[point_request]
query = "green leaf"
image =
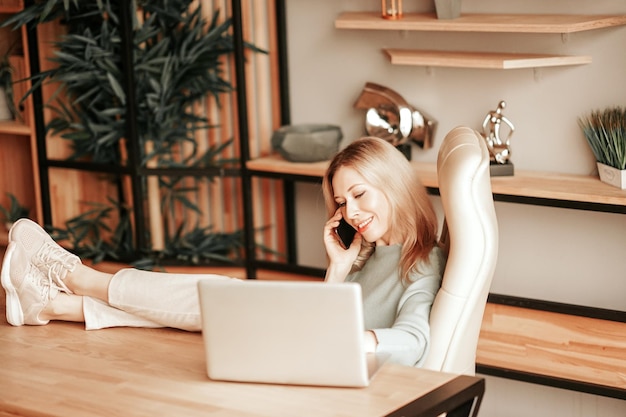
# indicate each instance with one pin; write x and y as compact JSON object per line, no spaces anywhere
{"x":117,"y":88}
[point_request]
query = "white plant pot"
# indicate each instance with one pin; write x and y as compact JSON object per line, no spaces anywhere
{"x":612,"y":176}
{"x":5,"y":113}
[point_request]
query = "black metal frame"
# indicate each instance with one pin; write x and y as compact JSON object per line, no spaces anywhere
{"x":568,"y":204}
{"x":551,"y":381}
{"x":242,"y":110}
{"x":251,"y":263}
{"x":37,"y":100}
{"x":556,"y":307}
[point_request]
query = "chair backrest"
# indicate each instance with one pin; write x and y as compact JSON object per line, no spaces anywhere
{"x":470,"y":234}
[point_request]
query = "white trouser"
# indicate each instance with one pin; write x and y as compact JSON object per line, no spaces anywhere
{"x":148,"y":299}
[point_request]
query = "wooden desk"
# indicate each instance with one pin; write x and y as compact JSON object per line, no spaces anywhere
{"x":63,"y":370}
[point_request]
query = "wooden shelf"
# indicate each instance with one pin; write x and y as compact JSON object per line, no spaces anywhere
{"x":485,"y":60}
{"x":277,"y":165}
{"x":565,"y":347}
{"x":13,"y":127}
{"x":541,"y":185}
{"x":501,"y":23}
{"x":9,"y":7}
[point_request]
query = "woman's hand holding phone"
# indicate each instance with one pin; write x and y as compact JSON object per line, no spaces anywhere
{"x":340,"y":258}
{"x":345,"y":232}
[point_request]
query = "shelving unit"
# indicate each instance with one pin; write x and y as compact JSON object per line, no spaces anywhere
{"x":481,"y":23}
{"x":554,"y":344}
{"x":58,"y":186}
{"x":537,"y":188}
{"x":17,"y":137}
{"x":11,"y":6}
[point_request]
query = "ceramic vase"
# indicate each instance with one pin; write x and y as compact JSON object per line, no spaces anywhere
{"x":307,"y":142}
{"x":448,"y":9}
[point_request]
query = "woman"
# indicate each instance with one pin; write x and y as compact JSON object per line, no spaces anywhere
{"x":394,"y":256}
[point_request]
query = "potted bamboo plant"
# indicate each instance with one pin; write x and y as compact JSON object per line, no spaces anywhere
{"x":177,"y":65}
{"x":605,"y":132}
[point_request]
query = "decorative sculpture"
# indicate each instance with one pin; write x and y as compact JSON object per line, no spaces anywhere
{"x":498,"y":141}
{"x":390,"y":117}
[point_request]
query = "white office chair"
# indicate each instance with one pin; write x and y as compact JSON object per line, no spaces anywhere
{"x":470,"y":233}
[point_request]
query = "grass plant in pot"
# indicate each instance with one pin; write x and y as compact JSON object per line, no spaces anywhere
{"x":605,"y":132}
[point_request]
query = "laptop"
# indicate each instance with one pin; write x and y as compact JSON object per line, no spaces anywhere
{"x":285,"y":332}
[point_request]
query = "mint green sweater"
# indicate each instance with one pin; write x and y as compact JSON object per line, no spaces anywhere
{"x":399,"y":313}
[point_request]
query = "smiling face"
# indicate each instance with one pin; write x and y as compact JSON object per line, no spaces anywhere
{"x":364,"y":206}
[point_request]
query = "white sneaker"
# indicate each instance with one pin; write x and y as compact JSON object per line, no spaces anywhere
{"x":28,"y":290}
{"x":43,"y":252}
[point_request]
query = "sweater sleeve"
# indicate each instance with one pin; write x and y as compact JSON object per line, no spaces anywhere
{"x":408,"y":339}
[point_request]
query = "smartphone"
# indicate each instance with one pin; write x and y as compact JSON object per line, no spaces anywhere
{"x":345,"y":232}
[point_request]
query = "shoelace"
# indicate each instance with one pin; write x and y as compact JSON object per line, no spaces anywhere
{"x":55,"y":262}
{"x":41,"y":281}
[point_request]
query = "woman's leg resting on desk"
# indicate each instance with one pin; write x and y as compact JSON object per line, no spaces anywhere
{"x":45,"y":282}
{"x":151,"y":299}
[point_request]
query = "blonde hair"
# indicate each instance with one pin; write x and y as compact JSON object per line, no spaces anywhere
{"x":413,"y":218}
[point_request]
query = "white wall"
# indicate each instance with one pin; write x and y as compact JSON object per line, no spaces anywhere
{"x":546,"y":253}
